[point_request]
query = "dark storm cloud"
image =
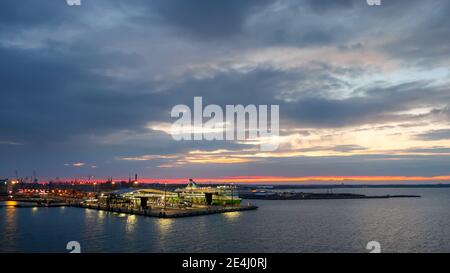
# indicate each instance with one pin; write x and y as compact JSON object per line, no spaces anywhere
{"x":435,"y":135}
{"x":309,"y":23}
{"x":314,"y":106}
{"x":428,"y":41}
{"x":358,"y":166}
{"x":326,"y":5}
{"x":337,"y":148}
{"x":55,"y":95}
{"x":433,"y":150}
{"x":371,"y":105}
{"x":207,"y":19}
{"x":33,"y":13}
{"x":348,"y":148}
{"x":51,"y":95}
{"x":63,"y":85}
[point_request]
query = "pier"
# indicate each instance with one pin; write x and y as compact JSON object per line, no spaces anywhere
{"x":191,"y":200}
{"x":159,"y":212}
{"x":170,"y":212}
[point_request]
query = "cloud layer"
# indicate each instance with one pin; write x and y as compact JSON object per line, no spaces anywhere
{"x":362,"y":90}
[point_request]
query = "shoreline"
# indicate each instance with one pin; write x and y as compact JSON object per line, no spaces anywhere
{"x":318,"y":196}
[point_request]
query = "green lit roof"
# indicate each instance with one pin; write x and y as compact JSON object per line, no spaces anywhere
{"x":192,"y":184}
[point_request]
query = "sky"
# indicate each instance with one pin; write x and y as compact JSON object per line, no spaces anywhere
{"x":363,"y":91}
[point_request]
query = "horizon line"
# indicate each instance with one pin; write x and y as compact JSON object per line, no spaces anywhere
{"x":264,"y":179}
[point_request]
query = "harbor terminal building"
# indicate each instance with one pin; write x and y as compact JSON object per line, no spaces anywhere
{"x":192,"y":194}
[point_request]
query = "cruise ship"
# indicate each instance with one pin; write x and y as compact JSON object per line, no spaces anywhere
{"x":191,"y":194}
{"x":221,"y":195}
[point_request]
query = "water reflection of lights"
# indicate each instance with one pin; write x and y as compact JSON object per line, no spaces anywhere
{"x":94,"y":220}
{"x":89,"y":212}
{"x":164,"y":225}
{"x":11,"y":203}
{"x":131,"y":223}
{"x":11,"y":224}
{"x":34,"y":210}
{"x":232,"y":215}
{"x":101,"y":214}
{"x":11,"y":215}
{"x":131,"y":219}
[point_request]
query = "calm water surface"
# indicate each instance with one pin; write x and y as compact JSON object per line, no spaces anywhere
{"x":400,"y":225}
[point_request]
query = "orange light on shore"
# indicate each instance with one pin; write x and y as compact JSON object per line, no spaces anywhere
{"x":293,"y":179}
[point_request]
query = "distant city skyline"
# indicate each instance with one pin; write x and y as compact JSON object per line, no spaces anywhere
{"x":363,"y":91}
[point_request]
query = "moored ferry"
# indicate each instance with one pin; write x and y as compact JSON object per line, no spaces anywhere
{"x":221,"y":195}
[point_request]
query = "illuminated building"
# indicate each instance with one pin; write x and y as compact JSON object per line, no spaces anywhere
{"x":182,"y":197}
{"x":221,"y":195}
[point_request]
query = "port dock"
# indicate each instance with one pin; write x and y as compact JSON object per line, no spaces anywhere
{"x":136,"y":199}
{"x":34,"y":205}
{"x":171,"y":212}
{"x":159,"y":212}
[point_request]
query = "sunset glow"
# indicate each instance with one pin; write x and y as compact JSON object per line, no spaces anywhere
{"x":309,"y":180}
